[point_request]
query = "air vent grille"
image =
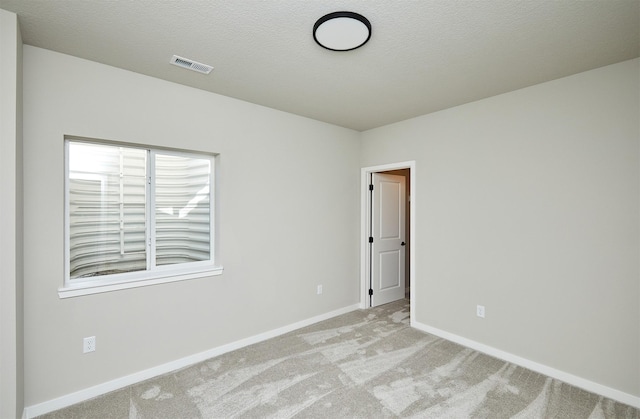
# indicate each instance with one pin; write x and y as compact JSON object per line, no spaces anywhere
{"x":190,"y":64}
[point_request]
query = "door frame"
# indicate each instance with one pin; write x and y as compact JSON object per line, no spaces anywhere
{"x":364,"y":226}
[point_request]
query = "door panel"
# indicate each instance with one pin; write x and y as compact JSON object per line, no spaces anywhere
{"x":389,"y":270}
{"x":390,"y":221}
{"x":388,"y":224}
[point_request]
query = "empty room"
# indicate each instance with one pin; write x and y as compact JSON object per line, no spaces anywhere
{"x":216,"y":209}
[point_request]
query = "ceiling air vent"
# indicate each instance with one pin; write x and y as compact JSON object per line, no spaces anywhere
{"x":191,"y":65}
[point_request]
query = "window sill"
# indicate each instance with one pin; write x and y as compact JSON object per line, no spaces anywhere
{"x":88,"y":288}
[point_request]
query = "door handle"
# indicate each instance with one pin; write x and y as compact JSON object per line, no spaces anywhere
{"x":402,"y":244}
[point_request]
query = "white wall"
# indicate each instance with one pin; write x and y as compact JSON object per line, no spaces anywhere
{"x":288,"y":222}
{"x":528,"y":203}
{"x":11,"y":273}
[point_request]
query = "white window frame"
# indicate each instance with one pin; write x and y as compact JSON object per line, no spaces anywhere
{"x":153,"y":274}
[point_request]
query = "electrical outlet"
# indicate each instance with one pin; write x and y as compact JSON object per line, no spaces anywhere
{"x":89,"y":344}
{"x":480,"y":311}
{"x":319,"y":289}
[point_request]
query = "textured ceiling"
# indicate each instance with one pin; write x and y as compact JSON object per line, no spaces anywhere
{"x":423,"y":56}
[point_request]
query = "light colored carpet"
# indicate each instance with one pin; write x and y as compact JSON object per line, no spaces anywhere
{"x":364,"y":364}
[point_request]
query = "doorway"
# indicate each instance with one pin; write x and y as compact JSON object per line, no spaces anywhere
{"x":369,"y":252}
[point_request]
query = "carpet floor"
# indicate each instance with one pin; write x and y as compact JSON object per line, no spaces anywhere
{"x":363,"y":364}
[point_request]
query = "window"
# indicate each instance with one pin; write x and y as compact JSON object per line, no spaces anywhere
{"x":136,"y":216}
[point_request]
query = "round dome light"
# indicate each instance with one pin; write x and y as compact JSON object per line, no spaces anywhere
{"x":342,"y":31}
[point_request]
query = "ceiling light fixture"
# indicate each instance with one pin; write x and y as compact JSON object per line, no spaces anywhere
{"x":342,"y":31}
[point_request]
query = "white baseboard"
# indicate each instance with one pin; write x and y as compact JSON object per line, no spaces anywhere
{"x":100,"y":389}
{"x":574,"y":380}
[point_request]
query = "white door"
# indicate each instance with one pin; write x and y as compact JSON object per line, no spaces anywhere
{"x":388,"y":231}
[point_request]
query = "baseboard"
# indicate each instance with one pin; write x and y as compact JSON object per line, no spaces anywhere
{"x":100,"y":389}
{"x":574,"y":380}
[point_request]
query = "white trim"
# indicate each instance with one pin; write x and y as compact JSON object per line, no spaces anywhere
{"x":364,"y":215}
{"x":150,"y":209}
{"x":67,"y":233}
{"x":566,"y":377}
{"x":88,"y":288}
{"x":100,"y":389}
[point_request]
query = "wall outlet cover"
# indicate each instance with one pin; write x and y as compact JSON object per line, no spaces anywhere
{"x":89,"y":344}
